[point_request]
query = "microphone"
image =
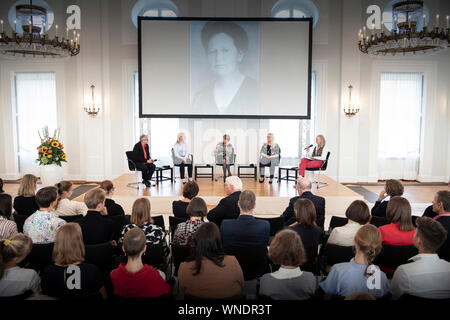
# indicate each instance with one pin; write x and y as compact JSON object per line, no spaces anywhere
{"x":309,"y":146}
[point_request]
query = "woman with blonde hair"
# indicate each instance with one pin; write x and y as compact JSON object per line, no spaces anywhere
{"x":65,"y":206}
{"x":314,"y":158}
{"x":141,"y":218}
{"x":181,"y":156}
{"x":357,"y":275}
{"x":269,"y":157}
{"x":14,"y":280}
{"x":68,"y":255}
{"x":25,"y":202}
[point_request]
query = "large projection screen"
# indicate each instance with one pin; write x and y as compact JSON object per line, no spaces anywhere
{"x":225,"y":68}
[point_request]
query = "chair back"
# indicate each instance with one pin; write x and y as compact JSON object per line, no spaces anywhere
{"x":173,"y":223}
{"x":378,"y":221}
{"x":41,"y":255}
{"x":253,"y":260}
{"x":325,"y":163}
{"x":19,"y":297}
{"x":131,"y":163}
{"x":154,"y":256}
{"x":179,"y":255}
{"x":71,"y":218}
{"x":101,"y":255}
{"x":276,"y":224}
{"x":19,"y":219}
{"x":334,"y":254}
{"x":159,"y":221}
{"x":393,"y":256}
{"x":337,"y":222}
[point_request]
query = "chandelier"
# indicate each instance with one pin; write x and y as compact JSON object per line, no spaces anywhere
{"x":405,"y":38}
{"x":35,"y":42}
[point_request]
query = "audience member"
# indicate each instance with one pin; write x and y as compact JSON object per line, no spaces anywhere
{"x":289,"y":282}
{"x":209,"y":273}
{"x":112,"y":207}
{"x":8,"y":228}
{"x":184,"y":234}
{"x":358,"y":214}
{"x":392,"y":188}
{"x":303,"y":186}
{"x":190,"y":190}
{"x":134,"y":279}
{"x":349,"y":277}
{"x":65,"y":206}
{"x":429,"y":212}
{"x":400,"y":232}
{"x":228,"y":206}
{"x":306,"y":226}
{"x":141,"y":218}
{"x":42,"y":225}
{"x":25,"y":202}
{"x":427,"y":276}
{"x":68,"y":255}
{"x":95,"y":225}
{"x":441,"y":205}
{"x":14,"y":280}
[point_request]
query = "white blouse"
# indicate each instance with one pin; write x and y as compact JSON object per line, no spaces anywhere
{"x":68,"y":207}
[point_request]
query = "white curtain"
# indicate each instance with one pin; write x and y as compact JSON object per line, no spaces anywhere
{"x":400,"y":125}
{"x":36,"y":108}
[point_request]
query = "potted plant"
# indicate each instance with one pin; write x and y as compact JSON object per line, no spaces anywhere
{"x":51,"y":155}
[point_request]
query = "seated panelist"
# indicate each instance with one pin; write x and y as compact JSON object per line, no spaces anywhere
{"x":269,"y":157}
{"x":224,"y":154}
{"x":181,"y":157}
{"x":143,"y":160}
{"x":314,"y":157}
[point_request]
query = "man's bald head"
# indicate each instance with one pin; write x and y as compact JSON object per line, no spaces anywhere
{"x":303,"y":184}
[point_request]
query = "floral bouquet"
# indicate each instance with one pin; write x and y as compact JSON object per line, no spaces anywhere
{"x":50,"y":151}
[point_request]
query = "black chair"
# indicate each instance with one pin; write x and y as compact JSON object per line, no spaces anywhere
{"x":253,"y":260}
{"x":19,"y":219}
{"x":101,"y":255}
{"x":159,"y":221}
{"x":173,"y":223}
{"x":132,"y":167}
{"x":72,"y":218}
{"x":126,"y":219}
{"x":41,"y":255}
{"x":323,"y":167}
{"x":230,"y":164}
{"x":276,"y":224}
{"x":179,"y":255}
{"x":336,"y":222}
{"x":391,"y":256}
{"x":333,"y":254}
{"x":190,"y":156}
{"x":378,"y":221}
{"x":414,"y":218}
{"x":154,"y":256}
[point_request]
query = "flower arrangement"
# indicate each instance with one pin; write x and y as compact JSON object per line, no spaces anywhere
{"x":50,"y":151}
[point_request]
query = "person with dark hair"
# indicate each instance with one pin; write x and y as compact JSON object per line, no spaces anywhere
{"x":400,"y":232}
{"x":392,"y":188}
{"x":289,"y":282}
{"x":441,"y":205}
{"x":14,"y":280}
{"x":65,"y":206}
{"x":358,"y":214}
{"x":112,"y":207}
{"x":426,"y":276}
{"x":190,"y":190}
{"x":184,"y":234}
{"x":25,"y":201}
{"x":232,"y":92}
{"x":1,"y":186}
{"x":209,"y":273}
{"x":135,"y":279}
{"x":429,"y":212}
{"x":42,"y":225}
{"x":8,"y":228}
{"x":349,"y":277}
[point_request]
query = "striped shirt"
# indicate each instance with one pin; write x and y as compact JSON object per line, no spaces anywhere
{"x":8,"y":228}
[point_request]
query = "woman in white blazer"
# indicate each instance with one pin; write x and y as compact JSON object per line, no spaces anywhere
{"x":315,"y":156}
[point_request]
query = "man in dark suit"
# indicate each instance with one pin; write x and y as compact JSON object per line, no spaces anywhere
{"x":303,"y":187}
{"x":144,"y":162}
{"x":228,"y":206}
{"x":96,"y":228}
{"x":441,"y":205}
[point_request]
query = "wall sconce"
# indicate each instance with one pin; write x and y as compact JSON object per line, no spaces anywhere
{"x":92,"y":109}
{"x":350,"y":109}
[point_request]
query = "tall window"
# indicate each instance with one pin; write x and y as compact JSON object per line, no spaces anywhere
{"x":35,"y":107}
{"x":153,"y":8}
{"x":295,"y":9}
{"x":401,"y":96}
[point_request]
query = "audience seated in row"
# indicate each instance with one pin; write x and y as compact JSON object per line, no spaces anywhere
{"x":196,"y":210}
{"x":441,"y":205}
{"x":42,"y":225}
{"x":8,"y":228}
{"x":65,"y":206}
{"x":429,"y":211}
{"x":227,"y":207}
{"x":400,"y":231}
{"x":358,"y":214}
{"x":179,"y":207}
{"x":426,"y":276}
{"x":112,"y":207}
{"x":303,"y":186}
{"x":135,"y":279}
{"x":15,"y":281}
{"x":25,"y":201}
{"x":391,"y":189}
{"x":209,"y":273}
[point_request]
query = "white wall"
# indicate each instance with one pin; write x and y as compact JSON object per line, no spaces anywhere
{"x":108,"y":57}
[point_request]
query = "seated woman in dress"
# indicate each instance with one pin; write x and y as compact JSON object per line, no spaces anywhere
{"x":65,"y":206}
{"x":224,"y":154}
{"x":184,"y":234}
{"x":270,"y":157}
{"x":25,"y":202}
{"x":190,"y":190}
{"x":358,"y":214}
{"x":209,"y":273}
{"x":349,"y":277}
{"x":392,"y":188}
{"x":314,"y":157}
{"x":14,"y":280}
{"x":289,"y":282}
{"x":181,"y":157}
{"x":113,"y":208}
{"x":8,"y":228}
{"x":68,"y":256}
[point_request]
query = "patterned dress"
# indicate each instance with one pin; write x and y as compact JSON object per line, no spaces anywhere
{"x":41,"y":226}
{"x":184,"y":234}
{"x":153,"y":234}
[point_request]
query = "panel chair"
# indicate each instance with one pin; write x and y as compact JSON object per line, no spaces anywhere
{"x":218,"y":163}
{"x":133,"y":168}
{"x":189,"y":156}
{"x":322,"y":168}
